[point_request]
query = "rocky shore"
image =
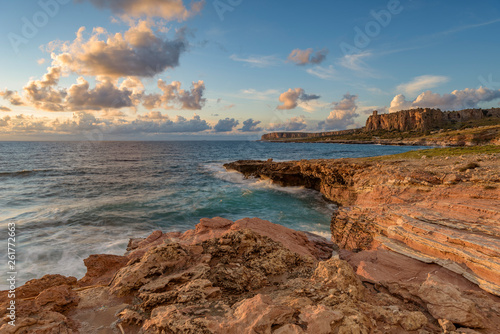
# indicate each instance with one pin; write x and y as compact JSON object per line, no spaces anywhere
{"x":415,"y":249}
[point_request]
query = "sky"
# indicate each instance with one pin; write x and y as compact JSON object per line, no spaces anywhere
{"x":235,"y":69}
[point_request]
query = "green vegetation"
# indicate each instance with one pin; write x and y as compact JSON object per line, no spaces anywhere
{"x":442,"y":152}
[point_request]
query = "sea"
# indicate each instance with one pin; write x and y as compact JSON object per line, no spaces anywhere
{"x":69,"y":200}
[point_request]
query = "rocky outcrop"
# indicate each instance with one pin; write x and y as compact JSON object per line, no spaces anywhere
{"x":252,"y":276}
{"x":427,"y":119}
{"x":421,"y":208}
{"x":408,"y":127}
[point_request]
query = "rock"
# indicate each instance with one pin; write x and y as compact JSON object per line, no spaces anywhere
{"x":446,"y":325}
{"x":101,"y":269}
{"x":58,"y":299}
{"x":339,"y":274}
{"x":34,"y":287}
{"x":446,"y":302}
{"x":413,"y":321}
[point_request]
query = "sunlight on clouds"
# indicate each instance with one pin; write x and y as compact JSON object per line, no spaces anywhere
{"x":421,"y":83}
{"x":166,"y":9}
{"x":458,"y":99}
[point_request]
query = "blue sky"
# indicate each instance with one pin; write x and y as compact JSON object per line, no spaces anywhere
{"x":225,"y":62}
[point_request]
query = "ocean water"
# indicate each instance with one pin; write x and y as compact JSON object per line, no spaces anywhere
{"x":73,"y":199}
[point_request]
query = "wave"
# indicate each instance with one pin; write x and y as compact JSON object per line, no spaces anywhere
{"x":24,"y":172}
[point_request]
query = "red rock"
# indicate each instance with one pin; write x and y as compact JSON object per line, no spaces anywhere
{"x":101,"y":269}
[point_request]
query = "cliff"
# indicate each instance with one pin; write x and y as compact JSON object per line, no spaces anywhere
{"x":427,"y":119}
{"x":441,"y":210}
{"x":411,"y":127}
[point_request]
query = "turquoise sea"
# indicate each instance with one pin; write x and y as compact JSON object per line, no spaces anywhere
{"x":73,"y":199}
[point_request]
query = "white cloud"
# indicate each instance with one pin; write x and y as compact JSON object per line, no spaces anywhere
{"x":166,"y":9}
{"x":81,"y":122}
{"x":307,"y":56}
{"x":342,"y":115}
{"x":355,"y":62}
{"x":293,"y":124}
{"x":322,"y":72}
{"x":458,"y":99}
{"x":137,"y":52}
{"x":421,"y":83}
{"x":292,"y":97}
{"x":257,"y":61}
{"x":254,"y":94}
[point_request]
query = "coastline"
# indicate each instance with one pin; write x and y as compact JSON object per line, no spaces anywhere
{"x":415,"y":250}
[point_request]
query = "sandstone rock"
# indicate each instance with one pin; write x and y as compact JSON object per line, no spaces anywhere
{"x":446,"y":325}
{"x":101,"y":269}
{"x":58,"y":299}
{"x":446,"y":302}
{"x":339,"y":274}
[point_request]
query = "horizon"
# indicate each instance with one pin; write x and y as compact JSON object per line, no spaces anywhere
{"x":219,"y":70}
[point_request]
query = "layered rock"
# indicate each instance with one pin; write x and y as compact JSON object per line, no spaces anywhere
{"x":250,"y":276}
{"x":419,"y":208}
{"x":412,"y":126}
{"x":425,"y":119}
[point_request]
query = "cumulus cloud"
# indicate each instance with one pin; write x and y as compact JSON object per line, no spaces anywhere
{"x":342,"y":115}
{"x":82,"y":122}
{"x":292,"y":97}
{"x":3,"y":108}
{"x":174,"y":95}
{"x":422,"y":82}
{"x":293,"y":124}
{"x":226,"y":125}
{"x":458,"y":99}
{"x":166,"y":9}
{"x":13,"y":97}
{"x":257,"y":61}
{"x":44,"y":95}
{"x":307,"y":56}
{"x":250,"y":126}
{"x":137,"y":52}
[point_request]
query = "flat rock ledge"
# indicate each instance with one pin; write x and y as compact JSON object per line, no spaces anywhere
{"x":252,"y":276}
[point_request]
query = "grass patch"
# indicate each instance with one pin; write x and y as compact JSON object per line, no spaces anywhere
{"x":443,"y":152}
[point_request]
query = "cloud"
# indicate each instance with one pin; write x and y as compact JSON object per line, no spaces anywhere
{"x":355,"y":62}
{"x":166,"y":9}
{"x":41,"y":61}
{"x":173,"y":94}
{"x":458,"y":99}
{"x":254,"y":94}
{"x":257,"y":61}
{"x":250,"y":126}
{"x":322,"y":72}
{"x":342,"y":115}
{"x":3,"y":108}
{"x":421,"y":83}
{"x":13,"y":97}
{"x":307,"y":56}
{"x":226,"y":125}
{"x":293,"y":124}
{"x":82,"y":122}
{"x":292,"y":97}
{"x":137,"y":52}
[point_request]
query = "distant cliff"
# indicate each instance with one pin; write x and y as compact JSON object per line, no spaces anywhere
{"x":425,"y":119}
{"x":415,"y":121}
{"x":302,"y":135}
